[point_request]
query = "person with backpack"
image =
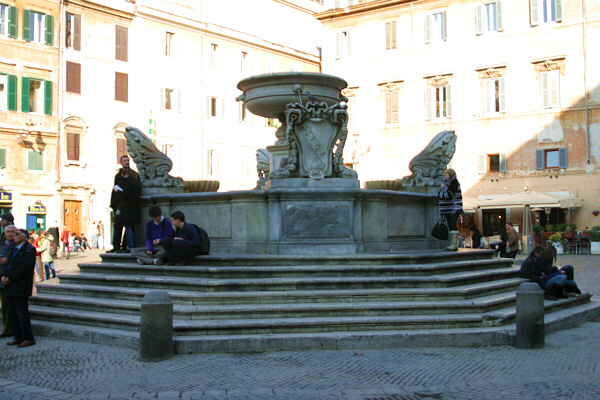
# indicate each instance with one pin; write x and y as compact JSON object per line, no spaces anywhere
{"x":157,"y":227}
{"x":185,"y":245}
{"x":45,"y":248}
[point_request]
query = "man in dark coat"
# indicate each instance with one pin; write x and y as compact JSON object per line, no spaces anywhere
{"x":5,"y":249}
{"x":5,"y":220}
{"x":125,"y":202}
{"x":17,"y":278}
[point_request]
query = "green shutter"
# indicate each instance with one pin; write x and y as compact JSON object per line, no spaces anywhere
{"x":13,"y":19}
{"x":48,"y":98}
{"x":35,"y":160}
{"x":25,"y":94}
{"x":2,"y":158}
{"x":49,"y":30}
{"x":12,"y":93}
{"x":26,"y":22}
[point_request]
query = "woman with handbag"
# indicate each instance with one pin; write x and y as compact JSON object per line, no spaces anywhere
{"x":450,"y":205}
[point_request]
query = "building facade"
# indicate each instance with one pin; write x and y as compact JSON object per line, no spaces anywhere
{"x":517,"y":81}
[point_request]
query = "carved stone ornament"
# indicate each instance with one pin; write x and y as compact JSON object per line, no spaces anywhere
{"x":153,"y":166}
{"x":263,"y":167}
{"x":312,"y":132}
{"x":428,"y":166}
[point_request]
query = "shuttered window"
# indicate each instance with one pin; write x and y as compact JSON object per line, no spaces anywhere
{"x":73,"y":32}
{"x":73,"y":146}
{"x":494,"y":95}
{"x":35,"y":160}
{"x":121,"y":149}
{"x":391,"y":108}
{"x":550,"y":88}
{"x":551,"y":158}
{"x":121,"y":87}
{"x":121,"y":40}
{"x":8,"y":21}
{"x":390,"y":35}
{"x":73,"y":77}
{"x":3,"y":153}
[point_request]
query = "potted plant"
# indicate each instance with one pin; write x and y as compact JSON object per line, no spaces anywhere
{"x":594,"y":235}
{"x":557,"y":241}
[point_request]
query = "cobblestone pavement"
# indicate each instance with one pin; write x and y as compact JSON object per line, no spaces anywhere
{"x":567,"y":368}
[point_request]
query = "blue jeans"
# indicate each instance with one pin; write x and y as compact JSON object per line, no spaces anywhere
{"x":129,"y":236}
{"x":560,"y":280}
{"x":49,"y":266}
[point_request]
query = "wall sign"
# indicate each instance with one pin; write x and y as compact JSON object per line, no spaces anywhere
{"x":37,"y":209}
{"x":5,"y":197}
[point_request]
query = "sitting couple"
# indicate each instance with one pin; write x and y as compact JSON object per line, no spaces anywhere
{"x":555,"y":281}
{"x":177,"y":246}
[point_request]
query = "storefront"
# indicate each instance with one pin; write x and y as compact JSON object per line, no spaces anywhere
{"x":5,"y":201}
{"x":36,"y":217}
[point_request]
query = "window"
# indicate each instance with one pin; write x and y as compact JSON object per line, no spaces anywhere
{"x":391,"y":108}
{"x":36,"y":96}
{"x":215,"y":106}
{"x":3,"y":156}
{"x":38,"y":27}
{"x":121,"y":86}
{"x":121,"y":149}
{"x":73,"y":146}
{"x":551,"y":158}
{"x":490,"y":163}
{"x":438,"y":101}
{"x":214,"y":55}
{"x":174,"y":153}
{"x":73,"y":77}
{"x":8,"y":21}
{"x":35,"y":160}
{"x":121,"y":43}
{"x":390,"y":35}
{"x":550,"y":88}
{"x":170,"y":99}
{"x":488,"y":17}
{"x":8,"y":92}
{"x":170,"y":47}
{"x":543,"y":11}
{"x":493,"y":95}
{"x":435,"y":27}
{"x":73,"y":32}
{"x":343,"y":43}
{"x":212,"y":162}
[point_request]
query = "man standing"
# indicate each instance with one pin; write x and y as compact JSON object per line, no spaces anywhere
{"x":125,"y":202}
{"x":17,"y":278}
{"x":512,"y":246}
{"x":158,"y":227}
{"x":5,"y":220}
{"x":5,"y":252}
{"x":186,"y":243}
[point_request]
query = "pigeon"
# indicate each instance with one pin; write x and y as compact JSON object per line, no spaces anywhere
{"x":311,"y":97}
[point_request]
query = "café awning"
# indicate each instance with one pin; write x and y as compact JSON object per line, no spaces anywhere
{"x":469,"y":204}
{"x":533,"y":199}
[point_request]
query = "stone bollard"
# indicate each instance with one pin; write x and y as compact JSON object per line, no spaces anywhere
{"x":530,"y":316}
{"x":156,"y":326}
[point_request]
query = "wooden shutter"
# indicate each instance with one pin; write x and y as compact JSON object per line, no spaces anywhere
{"x":489,"y":94}
{"x":534,"y":12}
{"x":553,"y":88}
{"x":428,"y":28}
{"x":448,"y":101}
{"x":444,"y":26}
{"x":539,"y":159}
{"x":13,"y":17}
{"x":48,"y":97}
{"x":502,"y":162}
{"x":562,"y":158}
{"x":121,"y":86}
{"x":121,"y":149}
{"x":26,"y":24}
{"x":482,"y":164}
{"x":544,"y":84}
{"x":388,"y":108}
{"x":25,"y":94}
{"x":35,"y":160}
{"x":76,"y":32}
{"x":73,"y":146}
{"x":394,"y":107}
{"x":429,"y":102}
{"x":558,"y":10}
{"x":502,"y":94}
{"x":12,"y":93}
{"x":121,"y":43}
{"x":49,"y":30}
{"x":499,"y":20}
{"x":2,"y":158}
{"x":479,"y":19}
{"x":390,"y":35}
{"x":73,"y":77}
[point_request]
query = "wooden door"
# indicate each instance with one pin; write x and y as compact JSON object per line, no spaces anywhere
{"x":72,"y":216}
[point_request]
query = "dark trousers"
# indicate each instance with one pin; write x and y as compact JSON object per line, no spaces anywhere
{"x":6,"y":329}
{"x":178,"y":250}
{"x":512,"y":254}
{"x":117,"y":233}
{"x":19,"y":317}
{"x":452,"y":220}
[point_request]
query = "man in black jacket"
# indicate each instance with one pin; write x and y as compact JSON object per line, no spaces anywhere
{"x":125,"y":202}
{"x":17,"y":278}
{"x":185,"y":245}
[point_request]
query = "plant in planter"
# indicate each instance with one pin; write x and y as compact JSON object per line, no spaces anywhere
{"x":557,"y":241}
{"x":594,"y":235}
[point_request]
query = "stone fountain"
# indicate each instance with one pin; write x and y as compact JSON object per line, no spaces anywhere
{"x":311,"y":203}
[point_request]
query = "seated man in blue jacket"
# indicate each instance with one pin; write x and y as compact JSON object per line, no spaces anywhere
{"x":185,"y":245}
{"x":158,"y":227}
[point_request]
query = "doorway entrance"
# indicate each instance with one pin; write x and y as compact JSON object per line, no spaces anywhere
{"x":72,"y":216}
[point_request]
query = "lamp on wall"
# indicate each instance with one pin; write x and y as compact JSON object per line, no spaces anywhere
{"x":21,"y":136}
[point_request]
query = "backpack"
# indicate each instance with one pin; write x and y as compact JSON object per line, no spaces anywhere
{"x":52,"y":249}
{"x":204,"y":241}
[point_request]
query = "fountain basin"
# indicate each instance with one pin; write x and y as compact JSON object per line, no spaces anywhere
{"x":267,"y":95}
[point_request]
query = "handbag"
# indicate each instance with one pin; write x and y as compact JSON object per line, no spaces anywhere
{"x":440,"y":230}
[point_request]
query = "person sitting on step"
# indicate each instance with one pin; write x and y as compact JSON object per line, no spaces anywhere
{"x":157,"y":228}
{"x":554,"y":281}
{"x":185,"y":244}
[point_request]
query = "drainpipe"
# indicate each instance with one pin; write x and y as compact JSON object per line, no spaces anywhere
{"x":585,"y":87}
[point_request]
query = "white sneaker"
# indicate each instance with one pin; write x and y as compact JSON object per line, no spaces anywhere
{"x":140,"y":261}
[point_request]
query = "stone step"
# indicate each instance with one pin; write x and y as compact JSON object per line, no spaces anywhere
{"x":305,"y":283}
{"x":469,"y":291}
{"x":405,"y":257}
{"x":260,"y":311}
{"x":294,"y":271}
